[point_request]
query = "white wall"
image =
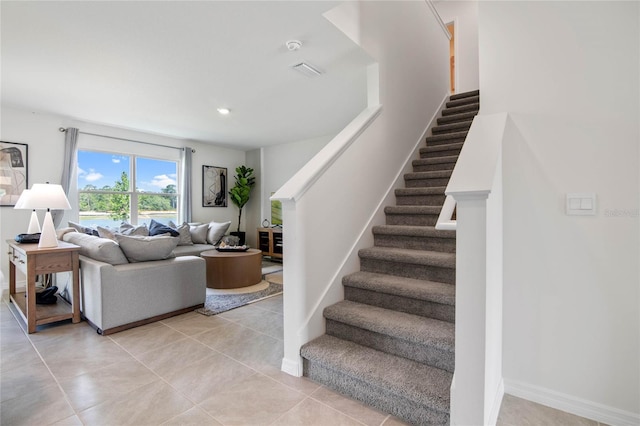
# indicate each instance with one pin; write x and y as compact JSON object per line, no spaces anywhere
{"x":327,"y":224}
{"x":567,"y":74}
{"x":280,"y":162}
{"x":46,"y":150}
{"x":464,"y":13}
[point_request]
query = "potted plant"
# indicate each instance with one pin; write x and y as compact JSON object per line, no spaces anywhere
{"x":240,"y":194}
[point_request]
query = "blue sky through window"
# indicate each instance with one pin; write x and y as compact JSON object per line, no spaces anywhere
{"x":104,"y":169}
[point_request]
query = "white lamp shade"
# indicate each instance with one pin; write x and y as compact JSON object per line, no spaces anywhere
{"x":23,"y":200}
{"x":47,"y":196}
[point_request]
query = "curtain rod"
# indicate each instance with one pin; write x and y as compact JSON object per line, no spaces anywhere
{"x":62,"y":129}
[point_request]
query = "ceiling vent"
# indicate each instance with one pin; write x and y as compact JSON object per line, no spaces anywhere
{"x":307,"y":69}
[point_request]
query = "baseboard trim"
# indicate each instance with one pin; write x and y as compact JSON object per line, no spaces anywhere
{"x":571,"y":404}
{"x":293,"y":368}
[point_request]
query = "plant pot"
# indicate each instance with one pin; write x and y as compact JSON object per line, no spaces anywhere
{"x":241,"y":235}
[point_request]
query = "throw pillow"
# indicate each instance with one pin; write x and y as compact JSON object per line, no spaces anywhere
{"x":129,"y":229}
{"x":199,"y":233}
{"x":216,"y":232}
{"x":107,"y":233}
{"x":185,"y":234}
{"x":141,"y":249}
{"x":102,"y":249}
{"x":83,"y":229}
{"x":157,"y":228}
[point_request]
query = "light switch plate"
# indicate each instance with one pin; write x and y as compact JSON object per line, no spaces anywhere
{"x":581,"y":203}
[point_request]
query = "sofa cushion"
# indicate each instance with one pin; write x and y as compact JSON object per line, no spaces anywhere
{"x":107,"y":233}
{"x":216,"y":232}
{"x":141,"y":249}
{"x":129,"y":229}
{"x":102,"y":249}
{"x":157,"y":228}
{"x":199,"y":232}
{"x":192,"y":250}
{"x":184,"y":239}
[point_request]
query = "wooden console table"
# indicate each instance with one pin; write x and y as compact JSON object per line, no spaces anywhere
{"x":32,"y":261}
{"x":270,"y":242}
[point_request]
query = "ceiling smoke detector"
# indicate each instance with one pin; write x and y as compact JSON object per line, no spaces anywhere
{"x":307,"y":69}
{"x":293,"y":45}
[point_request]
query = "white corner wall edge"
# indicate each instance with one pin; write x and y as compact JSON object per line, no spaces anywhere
{"x":571,"y":404}
{"x":497,"y":403}
{"x":292,"y":368}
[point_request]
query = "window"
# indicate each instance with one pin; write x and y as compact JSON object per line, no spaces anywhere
{"x":114,"y":187}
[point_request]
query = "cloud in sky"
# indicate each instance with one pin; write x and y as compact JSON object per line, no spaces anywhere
{"x":115,"y":160}
{"x":93,"y":176}
{"x":162,"y":181}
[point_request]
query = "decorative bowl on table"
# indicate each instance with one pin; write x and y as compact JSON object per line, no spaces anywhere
{"x":227,"y":248}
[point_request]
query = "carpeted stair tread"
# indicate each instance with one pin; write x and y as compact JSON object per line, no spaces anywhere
{"x":463,"y":101}
{"x":456,"y":118}
{"x":430,"y":291}
{"x":451,"y":159}
{"x":408,"y":192}
{"x":443,"y":147}
{"x":422,"y":384}
{"x":465,"y":95}
{"x":413,"y":210}
{"x":447,"y":136}
{"x":428,"y":175}
{"x":413,"y":231}
{"x":411,"y":328}
{"x":452,"y":128}
{"x":414,"y":257}
{"x":461,"y":109}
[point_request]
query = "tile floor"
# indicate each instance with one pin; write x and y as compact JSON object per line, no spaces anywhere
{"x":186,"y":370}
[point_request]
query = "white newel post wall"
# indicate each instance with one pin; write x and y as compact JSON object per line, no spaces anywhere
{"x":476,"y":186}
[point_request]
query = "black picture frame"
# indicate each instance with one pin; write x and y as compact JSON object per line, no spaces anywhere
{"x":14,"y":171}
{"x":214,"y":186}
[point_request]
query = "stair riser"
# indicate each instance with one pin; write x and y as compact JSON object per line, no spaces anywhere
{"x":408,"y":270}
{"x":403,"y":408}
{"x":423,"y":354}
{"x":444,"y":245}
{"x":463,"y":101}
{"x":465,"y":95}
{"x":417,"y":167}
{"x":457,"y":127}
{"x":456,"y":118}
{"x":440,"y":142}
{"x":412,"y":220}
{"x":460,"y":110}
{"x":420,"y":200}
{"x":426,"y":183}
{"x":407,"y":305}
{"x":426,"y":153}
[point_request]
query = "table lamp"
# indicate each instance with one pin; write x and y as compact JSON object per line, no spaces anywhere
{"x":48,"y":196}
{"x":24,"y":203}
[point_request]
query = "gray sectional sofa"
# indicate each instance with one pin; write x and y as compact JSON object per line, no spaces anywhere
{"x":136,"y":280}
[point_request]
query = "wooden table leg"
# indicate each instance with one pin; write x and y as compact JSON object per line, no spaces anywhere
{"x":75,"y":303}
{"x":31,"y":297}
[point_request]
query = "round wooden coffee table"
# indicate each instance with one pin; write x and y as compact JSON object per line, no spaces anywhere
{"x":233,"y":269}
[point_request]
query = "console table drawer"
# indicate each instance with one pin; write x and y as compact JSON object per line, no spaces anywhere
{"x":19,"y":259}
{"x":53,"y":262}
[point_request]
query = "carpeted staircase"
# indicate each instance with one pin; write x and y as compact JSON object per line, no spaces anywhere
{"x":390,"y":343}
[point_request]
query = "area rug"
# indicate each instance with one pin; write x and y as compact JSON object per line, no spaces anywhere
{"x":225,"y":301}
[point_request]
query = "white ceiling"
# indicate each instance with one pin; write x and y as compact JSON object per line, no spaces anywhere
{"x":165,"y":67}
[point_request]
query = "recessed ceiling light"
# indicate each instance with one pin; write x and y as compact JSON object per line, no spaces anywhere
{"x":294,"y":44}
{"x":224,"y":111}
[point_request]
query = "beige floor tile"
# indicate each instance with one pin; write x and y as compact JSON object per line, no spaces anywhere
{"x":301,"y":384}
{"x":260,"y":352}
{"x":19,"y":381}
{"x":79,"y":335}
{"x":17,"y":355}
{"x":394,"y":421}
{"x":352,"y":408}
{"x":239,"y":313}
{"x":12,"y":333}
{"x":202,"y":379}
{"x":175,"y":356}
{"x":227,"y":334}
{"x":39,"y":406}
{"x":257,"y":400}
{"x":273,"y":304}
{"x":195,"y":323}
{"x":193,"y":417}
{"x":148,"y":339}
{"x":520,"y":412}
{"x":313,"y":413}
{"x":266,"y":322}
{"x":73,"y":360}
{"x":151,"y":404}
{"x":105,"y":384}
{"x":69,"y":421}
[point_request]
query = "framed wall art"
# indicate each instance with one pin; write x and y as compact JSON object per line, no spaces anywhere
{"x":13,"y":172}
{"x":214,"y":186}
